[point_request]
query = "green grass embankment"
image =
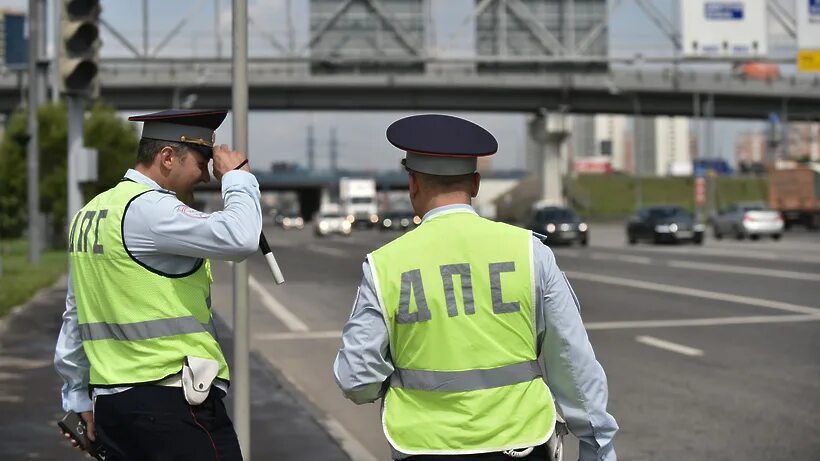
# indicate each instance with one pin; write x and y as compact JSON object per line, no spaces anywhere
{"x":21,"y":280}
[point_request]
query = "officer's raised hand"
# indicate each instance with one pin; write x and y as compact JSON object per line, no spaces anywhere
{"x":226,"y":160}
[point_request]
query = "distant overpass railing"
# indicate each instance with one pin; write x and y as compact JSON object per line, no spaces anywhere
{"x":581,"y":85}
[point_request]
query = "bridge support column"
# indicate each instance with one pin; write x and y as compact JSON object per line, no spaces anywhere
{"x":546,"y":135}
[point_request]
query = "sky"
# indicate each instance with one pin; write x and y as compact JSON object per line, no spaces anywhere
{"x":281,"y":135}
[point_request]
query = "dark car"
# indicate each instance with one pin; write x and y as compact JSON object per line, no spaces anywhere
{"x":664,"y":223}
{"x":399,"y":220}
{"x":560,"y":225}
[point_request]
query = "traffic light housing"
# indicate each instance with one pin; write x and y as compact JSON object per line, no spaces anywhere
{"x":80,"y":48}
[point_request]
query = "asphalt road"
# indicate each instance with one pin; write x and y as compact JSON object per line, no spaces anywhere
{"x":711,"y":351}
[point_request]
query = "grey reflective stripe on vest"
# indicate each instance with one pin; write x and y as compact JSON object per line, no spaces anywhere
{"x":144,"y":330}
{"x":468,"y":380}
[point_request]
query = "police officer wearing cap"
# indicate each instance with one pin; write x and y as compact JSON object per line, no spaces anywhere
{"x":465,"y":327}
{"x":138,"y":351}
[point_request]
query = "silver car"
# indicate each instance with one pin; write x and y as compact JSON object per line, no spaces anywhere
{"x":748,"y":219}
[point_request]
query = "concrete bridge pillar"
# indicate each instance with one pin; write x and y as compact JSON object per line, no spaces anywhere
{"x":547,"y":133}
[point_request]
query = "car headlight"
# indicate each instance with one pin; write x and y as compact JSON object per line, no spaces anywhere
{"x":416,"y":220}
{"x":346,"y":225}
{"x":300,"y":221}
{"x":286,"y":221}
{"x":663,"y":228}
{"x":387,"y":222}
{"x":565,"y":227}
{"x":323,"y":225}
{"x":351,"y":218}
{"x":405,"y":222}
{"x":374,"y":218}
{"x":583,"y":227}
{"x":673,"y":227}
{"x":550,"y":227}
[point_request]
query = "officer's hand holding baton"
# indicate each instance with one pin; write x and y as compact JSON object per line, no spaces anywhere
{"x":226,"y":160}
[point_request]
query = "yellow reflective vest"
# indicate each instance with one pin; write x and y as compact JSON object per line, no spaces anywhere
{"x":457,"y":296}
{"x":137,"y":324}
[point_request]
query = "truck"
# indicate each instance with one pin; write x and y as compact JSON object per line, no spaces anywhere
{"x":357,"y":197}
{"x":795,"y":193}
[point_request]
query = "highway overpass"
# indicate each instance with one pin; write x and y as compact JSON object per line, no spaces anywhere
{"x":277,"y":84}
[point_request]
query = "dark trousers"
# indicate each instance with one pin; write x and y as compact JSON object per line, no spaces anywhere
{"x":155,"y":423}
{"x":538,"y":454}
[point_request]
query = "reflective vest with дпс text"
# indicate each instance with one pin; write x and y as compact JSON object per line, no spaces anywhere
{"x":136,"y":323}
{"x":457,"y":296}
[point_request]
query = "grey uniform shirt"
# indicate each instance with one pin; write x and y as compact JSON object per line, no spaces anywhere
{"x":167,"y":235}
{"x":574,"y":376}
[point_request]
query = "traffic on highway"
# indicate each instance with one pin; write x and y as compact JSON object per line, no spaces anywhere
{"x":696,"y":340}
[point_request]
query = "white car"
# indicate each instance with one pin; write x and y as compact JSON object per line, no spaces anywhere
{"x":748,"y":219}
{"x":293,"y":222}
{"x":331,"y":223}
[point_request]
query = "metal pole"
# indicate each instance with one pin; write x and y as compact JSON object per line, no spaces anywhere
{"x":75,"y":106}
{"x":334,"y":152}
{"x":55,"y":62}
{"x":33,"y":150}
{"x":241,"y":325}
{"x":311,"y":154}
{"x":291,"y":37}
{"x":696,"y":115}
{"x":639,"y":141}
{"x":218,"y":28}
{"x":145,"y":29}
{"x":42,"y":60}
{"x":569,"y":38}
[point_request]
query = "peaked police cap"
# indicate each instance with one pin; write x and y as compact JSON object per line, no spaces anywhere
{"x":194,"y":127}
{"x":440,"y":144}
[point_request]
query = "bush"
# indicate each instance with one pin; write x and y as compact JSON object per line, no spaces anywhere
{"x":114,"y":138}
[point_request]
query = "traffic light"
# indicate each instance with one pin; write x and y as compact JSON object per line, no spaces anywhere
{"x":80,"y":45}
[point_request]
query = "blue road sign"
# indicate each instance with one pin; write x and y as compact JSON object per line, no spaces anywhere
{"x":16,"y":45}
{"x":814,"y":9}
{"x":723,"y":11}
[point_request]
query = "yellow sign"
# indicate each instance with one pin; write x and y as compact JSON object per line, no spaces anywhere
{"x":808,"y":61}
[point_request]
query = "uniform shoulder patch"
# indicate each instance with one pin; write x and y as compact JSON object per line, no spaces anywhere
{"x":188,"y":211}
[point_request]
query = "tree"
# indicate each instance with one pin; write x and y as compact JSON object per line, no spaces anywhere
{"x":114,"y":138}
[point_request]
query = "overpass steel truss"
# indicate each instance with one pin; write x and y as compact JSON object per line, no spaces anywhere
{"x":456,"y":85}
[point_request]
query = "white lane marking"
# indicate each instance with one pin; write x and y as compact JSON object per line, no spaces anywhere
{"x":276,"y":308}
{"x":745,"y":270}
{"x":617,"y":257}
{"x":728,"y":268}
{"x":701,"y":322}
{"x":349,"y":444}
{"x":669,"y":346}
{"x":711,"y":251}
{"x":330,"y":334}
{"x":663,"y":288}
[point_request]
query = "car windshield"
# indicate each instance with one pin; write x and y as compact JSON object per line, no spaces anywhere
{"x":555,"y":214}
{"x":754,"y":207}
{"x":667,"y":212}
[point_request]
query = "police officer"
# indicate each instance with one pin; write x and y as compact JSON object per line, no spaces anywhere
{"x":466,"y":327}
{"x":138,"y":344}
